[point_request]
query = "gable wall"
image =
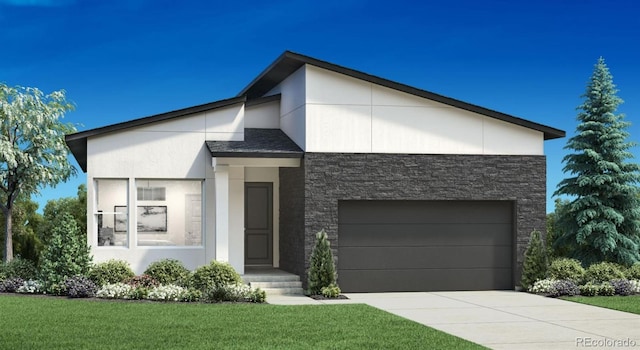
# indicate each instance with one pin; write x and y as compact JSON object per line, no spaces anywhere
{"x":263,"y":116}
{"x":292,"y":106}
{"x":348,"y":115}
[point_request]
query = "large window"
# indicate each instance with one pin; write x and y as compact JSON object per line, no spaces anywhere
{"x":169,"y":212}
{"x":111,"y":214}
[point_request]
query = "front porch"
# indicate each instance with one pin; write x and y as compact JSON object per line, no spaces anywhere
{"x":272,"y":280}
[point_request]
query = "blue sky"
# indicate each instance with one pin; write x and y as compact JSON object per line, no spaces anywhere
{"x":120,"y":60}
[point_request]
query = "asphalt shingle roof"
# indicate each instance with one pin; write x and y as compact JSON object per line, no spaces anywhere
{"x":258,"y":143}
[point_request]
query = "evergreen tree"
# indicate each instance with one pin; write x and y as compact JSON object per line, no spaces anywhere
{"x":602,"y":222}
{"x":535,"y":261}
{"x":322,"y":269}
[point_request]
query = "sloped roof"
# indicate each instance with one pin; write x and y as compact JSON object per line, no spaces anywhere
{"x":258,"y":143}
{"x":78,"y":142}
{"x":289,"y":62}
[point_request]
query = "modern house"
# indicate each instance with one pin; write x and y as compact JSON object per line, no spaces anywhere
{"x":417,"y":191}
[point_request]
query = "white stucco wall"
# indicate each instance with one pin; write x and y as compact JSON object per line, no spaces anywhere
{"x":172,"y":149}
{"x":345,"y":114}
{"x":263,"y":116}
{"x":292,"y":106}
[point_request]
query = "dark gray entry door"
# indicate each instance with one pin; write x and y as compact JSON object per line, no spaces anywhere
{"x":258,"y":223}
{"x":425,"y":245}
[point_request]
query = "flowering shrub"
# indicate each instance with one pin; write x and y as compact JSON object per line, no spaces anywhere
{"x":566,"y":269}
{"x":622,"y":287}
{"x":31,"y":287}
{"x":143,"y":281}
{"x":606,"y":289}
{"x":331,"y":291}
{"x":590,"y":289}
{"x":170,"y":292}
{"x":80,"y":287}
{"x":564,"y":287}
{"x":114,"y":291}
{"x":635,"y":286}
{"x":235,"y":293}
{"x":10,"y":285}
{"x":544,"y":286}
{"x":190,"y":295}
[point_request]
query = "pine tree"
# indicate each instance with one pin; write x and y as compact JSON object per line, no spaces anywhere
{"x":322,"y":269}
{"x":535,"y":261}
{"x":602,"y":222}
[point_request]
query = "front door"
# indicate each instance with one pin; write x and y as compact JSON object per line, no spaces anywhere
{"x":258,"y":223}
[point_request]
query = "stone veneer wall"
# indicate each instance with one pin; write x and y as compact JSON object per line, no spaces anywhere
{"x":330,"y":177}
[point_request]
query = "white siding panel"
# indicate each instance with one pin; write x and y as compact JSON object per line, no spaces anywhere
{"x":225,"y":120}
{"x":506,"y":138}
{"x":384,"y":96}
{"x":293,"y":124}
{"x":263,"y":116}
{"x":326,"y":87}
{"x":425,"y":130}
{"x":338,"y":128}
{"x":292,"y":90}
{"x":192,"y":123}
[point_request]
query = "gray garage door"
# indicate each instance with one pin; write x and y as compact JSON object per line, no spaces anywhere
{"x":425,"y":245}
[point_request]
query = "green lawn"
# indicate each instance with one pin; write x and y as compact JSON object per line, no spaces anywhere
{"x":56,"y":323}
{"x":629,"y":303}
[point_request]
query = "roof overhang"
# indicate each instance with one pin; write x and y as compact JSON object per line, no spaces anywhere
{"x":289,"y":62}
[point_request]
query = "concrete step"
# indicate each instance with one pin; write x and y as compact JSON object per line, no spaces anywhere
{"x":276,"y":284}
{"x":283,"y":291}
{"x":270,"y":278}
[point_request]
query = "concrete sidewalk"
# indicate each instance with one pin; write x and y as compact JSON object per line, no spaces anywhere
{"x":503,"y":319}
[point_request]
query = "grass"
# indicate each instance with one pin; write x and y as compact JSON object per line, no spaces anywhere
{"x":628,"y":303}
{"x":57,"y":323}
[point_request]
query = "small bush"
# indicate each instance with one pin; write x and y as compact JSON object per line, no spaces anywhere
{"x":564,"y":288}
{"x":168,"y":271}
{"x":535,"y":261}
{"x":566,"y":269}
{"x":114,"y":291}
{"x":234,"y":293}
{"x":635,"y":286}
{"x":622,"y":287}
{"x":138,"y":293}
{"x":322,"y":268}
{"x":216,"y":274}
{"x":590,"y":289}
{"x":11,"y":285}
{"x":603,"y":272}
{"x":30,"y":287}
{"x":332,"y":291}
{"x":170,"y":292}
{"x":606,"y":289}
{"x":191,"y":295}
{"x":19,"y":267}
{"x":80,"y":287}
{"x":110,"y":272}
{"x":145,"y":281}
{"x":544,"y":286}
{"x":633,"y":273}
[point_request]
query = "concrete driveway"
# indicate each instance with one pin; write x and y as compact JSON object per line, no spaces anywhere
{"x":512,"y":320}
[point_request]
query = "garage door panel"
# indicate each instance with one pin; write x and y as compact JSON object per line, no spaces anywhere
{"x":375,"y":258}
{"x":425,"y":280}
{"x":425,"y":245}
{"x":403,"y":212}
{"x":420,"y":234}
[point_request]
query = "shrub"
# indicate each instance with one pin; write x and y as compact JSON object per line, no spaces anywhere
{"x":30,"y":287}
{"x":535,"y":261}
{"x":564,"y":287}
{"x":590,"y":289}
{"x":322,"y":268}
{"x":170,"y":292}
{"x":633,"y":273}
{"x":65,"y":255}
{"x":11,"y":285}
{"x":635,"y":286}
{"x":603,"y":272}
{"x":138,"y":293}
{"x":331,"y":291}
{"x":606,"y":289}
{"x":80,"y":287}
{"x":144,"y":281}
{"x":234,"y":293}
{"x":566,"y":269}
{"x":622,"y":287}
{"x":110,"y":272}
{"x":114,"y":291}
{"x":215,"y":274}
{"x":168,"y":271}
{"x":19,"y":267}
{"x":544,"y":286}
{"x":191,"y":294}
